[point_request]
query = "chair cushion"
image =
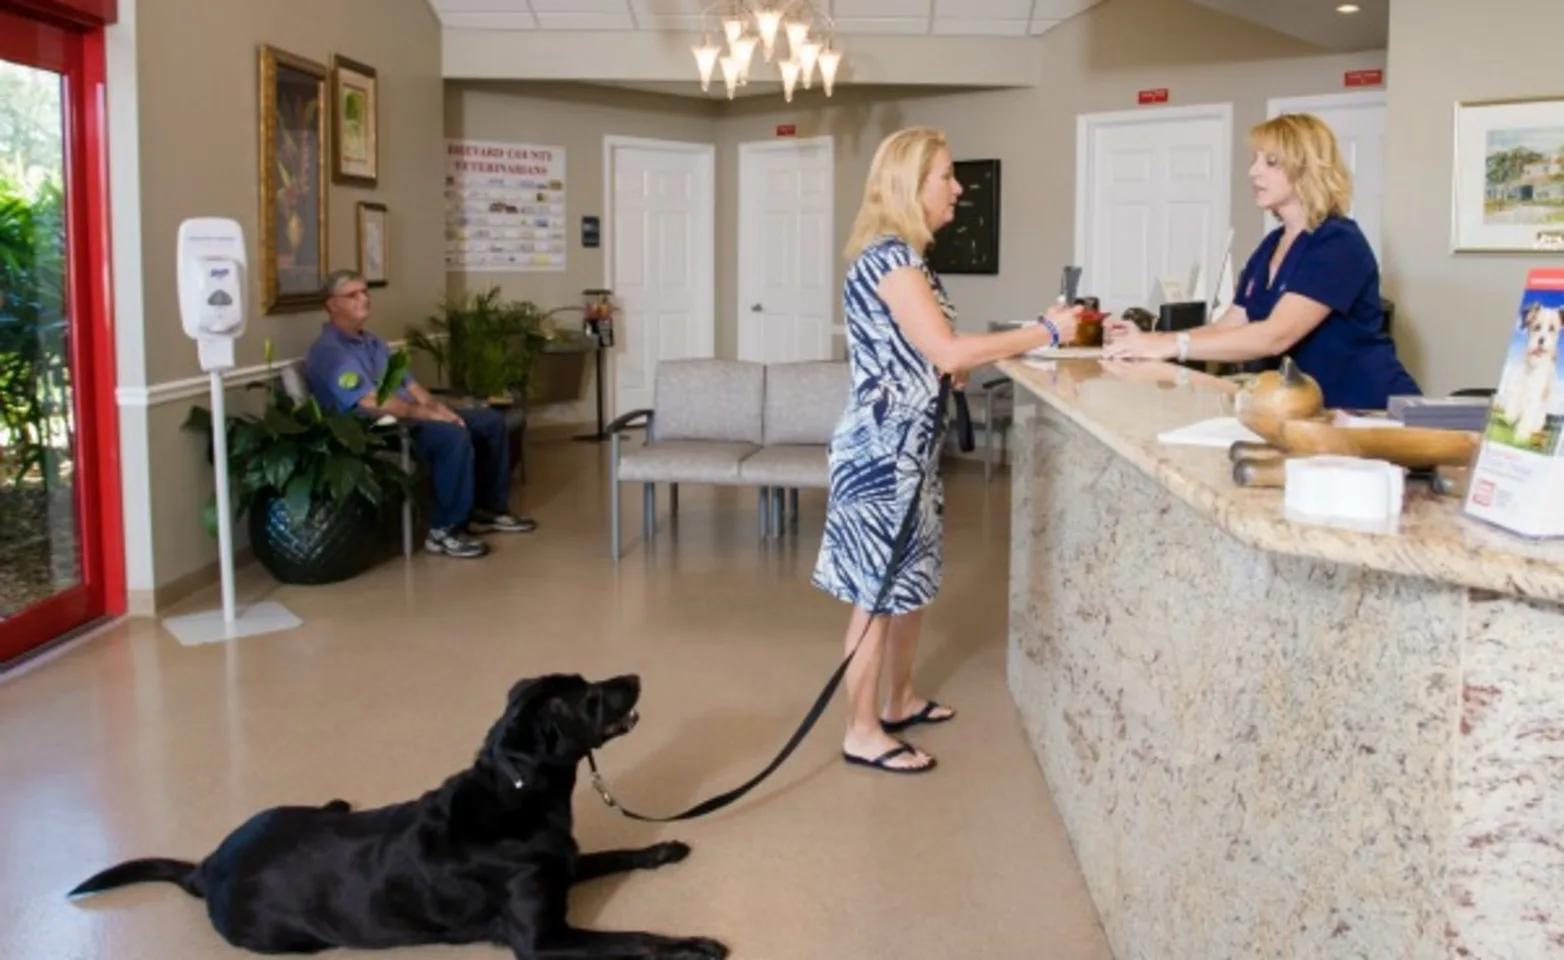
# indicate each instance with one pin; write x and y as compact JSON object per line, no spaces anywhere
{"x":683,"y":461}
{"x":709,"y":400}
{"x":788,"y":465}
{"x":805,"y":400}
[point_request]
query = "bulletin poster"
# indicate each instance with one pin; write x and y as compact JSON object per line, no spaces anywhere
{"x":504,"y":207}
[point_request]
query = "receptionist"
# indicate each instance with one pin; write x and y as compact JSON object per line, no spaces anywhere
{"x":1311,"y":289}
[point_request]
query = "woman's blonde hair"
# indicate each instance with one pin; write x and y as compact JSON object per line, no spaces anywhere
{"x":890,"y":195}
{"x":1306,"y":150}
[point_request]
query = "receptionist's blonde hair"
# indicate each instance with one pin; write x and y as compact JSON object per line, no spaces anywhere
{"x":890,"y":195}
{"x":1305,"y":148}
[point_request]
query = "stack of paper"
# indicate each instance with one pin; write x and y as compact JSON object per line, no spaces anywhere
{"x":1220,"y":432}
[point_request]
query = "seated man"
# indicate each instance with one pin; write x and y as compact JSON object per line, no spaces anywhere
{"x":468,"y":450}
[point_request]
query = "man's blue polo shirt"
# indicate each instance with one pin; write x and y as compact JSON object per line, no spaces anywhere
{"x":342,"y":370}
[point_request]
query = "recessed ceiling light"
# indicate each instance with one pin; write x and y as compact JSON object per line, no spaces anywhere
{"x":1348,"y":8}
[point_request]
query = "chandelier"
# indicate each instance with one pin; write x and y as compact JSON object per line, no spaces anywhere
{"x":748,"y":24}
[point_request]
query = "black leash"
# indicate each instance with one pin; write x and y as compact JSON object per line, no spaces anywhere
{"x":966,"y":443}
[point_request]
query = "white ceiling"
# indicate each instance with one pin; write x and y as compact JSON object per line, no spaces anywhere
{"x":1317,"y":21}
{"x":995,"y":18}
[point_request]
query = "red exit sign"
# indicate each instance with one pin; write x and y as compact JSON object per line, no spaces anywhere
{"x":1159,"y":95}
{"x":786,"y":130}
{"x":1365,"y":78}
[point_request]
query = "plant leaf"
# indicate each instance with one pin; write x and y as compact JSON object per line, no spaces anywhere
{"x":297,"y":498}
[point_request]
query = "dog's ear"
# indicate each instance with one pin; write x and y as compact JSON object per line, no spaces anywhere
{"x":1530,"y":317}
{"x":528,"y":733}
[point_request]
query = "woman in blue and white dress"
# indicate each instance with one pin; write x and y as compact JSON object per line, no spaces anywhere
{"x":901,"y":338}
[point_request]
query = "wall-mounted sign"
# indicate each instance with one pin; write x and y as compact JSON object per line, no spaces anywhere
{"x":591,"y":231}
{"x":786,"y":130}
{"x":1159,"y":95}
{"x":1365,"y":78}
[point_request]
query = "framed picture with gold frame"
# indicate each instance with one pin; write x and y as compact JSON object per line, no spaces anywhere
{"x":373,"y":252}
{"x":355,"y":123}
{"x":293,"y":181}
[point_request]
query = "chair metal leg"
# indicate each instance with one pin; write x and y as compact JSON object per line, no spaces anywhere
{"x":792,"y":505}
{"x":988,"y":435}
{"x":613,"y":497}
{"x":778,"y":511}
{"x":649,"y":508}
{"x":673,"y":498}
{"x":407,"y":501}
{"x":762,"y":513}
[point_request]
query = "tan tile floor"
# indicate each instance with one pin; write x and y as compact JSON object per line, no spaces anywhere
{"x":131,"y":745}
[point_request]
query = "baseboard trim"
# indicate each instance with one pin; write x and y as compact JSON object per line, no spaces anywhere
{"x":558,"y":430}
{"x":151,"y":603}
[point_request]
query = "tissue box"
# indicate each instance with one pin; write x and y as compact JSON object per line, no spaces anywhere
{"x":1348,"y":492}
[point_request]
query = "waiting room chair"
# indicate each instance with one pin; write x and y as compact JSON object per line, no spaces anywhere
{"x":704,"y":420}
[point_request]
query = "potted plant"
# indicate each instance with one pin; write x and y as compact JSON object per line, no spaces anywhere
{"x":317,"y":486}
{"x":485,"y":347}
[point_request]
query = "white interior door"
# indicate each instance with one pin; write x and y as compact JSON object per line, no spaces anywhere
{"x":1153,"y":199}
{"x":661,"y":237}
{"x":1358,"y":120}
{"x":786,"y":249}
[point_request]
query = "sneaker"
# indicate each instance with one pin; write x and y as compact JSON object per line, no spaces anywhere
{"x":485,"y":522}
{"x":454,"y":543}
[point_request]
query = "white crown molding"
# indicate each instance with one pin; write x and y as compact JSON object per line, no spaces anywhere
{"x":170,"y":391}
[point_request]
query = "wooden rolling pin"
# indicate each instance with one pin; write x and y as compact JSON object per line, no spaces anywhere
{"x":1412,"y":447}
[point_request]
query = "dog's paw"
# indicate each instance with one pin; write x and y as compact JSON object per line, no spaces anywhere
{"x":697,"y":948}
{"x":672,"y":851}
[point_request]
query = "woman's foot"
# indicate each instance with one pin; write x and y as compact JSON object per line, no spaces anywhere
{"x":885,"y":753}
{"x":898,"y":717}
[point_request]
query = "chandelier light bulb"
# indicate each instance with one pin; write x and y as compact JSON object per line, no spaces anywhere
{"x":706,"y":60}
{"x":829,"y":60}
{"x":797,"y":33}
{"x":730,"y":74}
{"x":808,"y":53}
{"x":767,"y":22}
{"x":734,"y":28}
{"x":743,"y":51}
{"x":790,"y":70}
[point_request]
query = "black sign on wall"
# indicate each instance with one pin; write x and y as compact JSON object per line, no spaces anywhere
{"x":970,"y":242}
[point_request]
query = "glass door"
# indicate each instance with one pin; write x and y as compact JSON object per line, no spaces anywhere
{"x":53,"y":279}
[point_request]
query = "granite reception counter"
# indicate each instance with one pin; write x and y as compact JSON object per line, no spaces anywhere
{"x":1275,"y":740}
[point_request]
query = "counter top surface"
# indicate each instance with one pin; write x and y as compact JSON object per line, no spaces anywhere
{"x":1126,"y":404}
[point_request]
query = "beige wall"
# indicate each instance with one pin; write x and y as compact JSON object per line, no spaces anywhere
{"x":577,"y":118}
{"x":1453,"y":310}
{"x":1093,"y":63}
{"x":197,"y":112}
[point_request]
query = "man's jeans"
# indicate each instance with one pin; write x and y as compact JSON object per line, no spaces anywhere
{"x":466,"y":463}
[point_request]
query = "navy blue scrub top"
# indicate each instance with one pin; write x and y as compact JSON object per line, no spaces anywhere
{"x":1349,"y":354}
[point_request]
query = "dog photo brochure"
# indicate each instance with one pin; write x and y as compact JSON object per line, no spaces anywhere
{"x":1518,"y":479}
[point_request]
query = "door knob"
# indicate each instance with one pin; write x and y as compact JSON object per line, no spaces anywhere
{"x":756,"y":308}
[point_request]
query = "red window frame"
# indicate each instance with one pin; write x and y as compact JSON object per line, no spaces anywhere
{"x":67,"y":37}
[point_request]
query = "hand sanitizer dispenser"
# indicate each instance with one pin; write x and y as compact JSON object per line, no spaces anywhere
{"x":212,"y":295}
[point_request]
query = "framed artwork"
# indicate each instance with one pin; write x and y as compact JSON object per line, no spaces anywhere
{"x":355,"y":123}
{"x":293,"y":181}
{"x":970,"y":242}
{"x":372,"y":251}
{"x":1509,"y":176}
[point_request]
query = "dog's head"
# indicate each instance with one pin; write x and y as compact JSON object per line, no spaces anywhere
{"x":1542,"y":332}
{"x":553,"y":720}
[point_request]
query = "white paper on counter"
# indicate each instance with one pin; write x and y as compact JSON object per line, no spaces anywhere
{"x":1220,"y":432}
{"x":1066,"y":353}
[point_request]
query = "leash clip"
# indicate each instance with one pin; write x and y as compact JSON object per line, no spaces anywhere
{"x":602,"y":791}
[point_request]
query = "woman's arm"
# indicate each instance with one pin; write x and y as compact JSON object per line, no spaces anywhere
{"x":906,"y":291}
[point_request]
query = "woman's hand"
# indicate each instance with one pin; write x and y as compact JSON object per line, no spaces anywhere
{"x":1067,"y":319}
{"x":1134,"y":344}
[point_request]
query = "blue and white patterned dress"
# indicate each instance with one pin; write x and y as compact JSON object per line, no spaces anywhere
{"x":885,"y":440}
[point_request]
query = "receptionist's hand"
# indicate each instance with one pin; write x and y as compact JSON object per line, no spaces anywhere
{"x":1139,"y":345}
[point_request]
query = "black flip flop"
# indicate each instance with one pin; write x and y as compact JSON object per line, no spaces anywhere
{"x":922,"y":716}
{"x":879,"y":763}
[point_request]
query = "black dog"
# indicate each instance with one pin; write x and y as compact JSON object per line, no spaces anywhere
{"x":487,"y":857}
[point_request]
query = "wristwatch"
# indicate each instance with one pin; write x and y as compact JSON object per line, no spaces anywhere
{"x":1183,"y":345}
